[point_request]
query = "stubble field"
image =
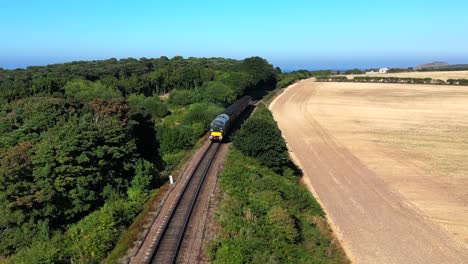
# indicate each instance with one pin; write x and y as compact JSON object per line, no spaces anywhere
{"x":389,"y":163}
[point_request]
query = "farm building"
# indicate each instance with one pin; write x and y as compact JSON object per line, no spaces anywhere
{"x":383,"y":70}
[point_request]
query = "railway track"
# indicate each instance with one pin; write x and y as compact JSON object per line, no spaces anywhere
{"x":172,"y":232}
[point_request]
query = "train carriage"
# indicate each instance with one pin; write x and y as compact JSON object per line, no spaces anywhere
{"x":221,"y":125}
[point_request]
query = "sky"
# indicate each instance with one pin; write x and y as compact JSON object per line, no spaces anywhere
{"x":291,"y":34}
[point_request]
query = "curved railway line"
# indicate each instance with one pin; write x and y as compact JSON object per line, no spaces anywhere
{"x":171,"y":233}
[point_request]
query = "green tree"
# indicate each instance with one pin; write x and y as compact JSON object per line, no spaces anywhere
{"x":218,"y":93}
{"x":87,"y":90}
{"x":182,"y":97}
{"x":263,"y":74}
{"x":146,"y":176}
{"x":152,"y":105}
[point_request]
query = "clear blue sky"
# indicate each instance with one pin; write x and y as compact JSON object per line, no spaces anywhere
{"x":291,"y":34}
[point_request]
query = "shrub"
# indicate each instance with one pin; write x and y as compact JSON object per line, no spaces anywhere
{"x":152,"y":105}
{"x":218,"y":93}
{"x":146,"y":175}
{"x":259,"y":137}
{"x":175,"y":138}
{"x":92,"y":238}
{"x":266,"y":218}
{"x":182,"y":97}
{"x":202,"y":113}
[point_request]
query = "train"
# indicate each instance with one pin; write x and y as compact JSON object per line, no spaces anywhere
{"x":221,"y":125}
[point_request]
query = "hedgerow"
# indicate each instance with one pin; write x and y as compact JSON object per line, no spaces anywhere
{"x":268,"y":218}
{"x":381,"y":79}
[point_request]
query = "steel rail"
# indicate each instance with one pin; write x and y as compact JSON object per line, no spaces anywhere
{"x":180,"y":224}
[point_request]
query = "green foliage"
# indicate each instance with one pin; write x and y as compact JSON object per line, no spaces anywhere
{"x":263,"y":74}
{"x":26,"y":119}
{"x":202,"y":113}
{"x":238,"y":81}
{"x":259,"y":137}
{"x":87,"y":241}
{"x":153,"y":105}
{"x":93,"y":237}
{"x":79,"y":169}
{"x":182,"y":97}
{"x":76,"y":137}
{"x":182,"y":133}
{"x":218,"y":93}
{"x":287,"y":79}
{"x":354,"y":71}
{"x":176,"y":138}
{"x":457,"y":81}
{"x":381,"y":79}
{"x":86,"y":90}
{"x":63,"y":159}
{"x":267,"y":218}
{"x":42,"y":250}
{"x":145,"y":178}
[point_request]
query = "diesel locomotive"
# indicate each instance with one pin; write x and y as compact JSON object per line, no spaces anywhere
{"x":221,"y":125}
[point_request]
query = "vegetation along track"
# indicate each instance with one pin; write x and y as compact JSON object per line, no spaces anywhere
{"x":167,"y":244}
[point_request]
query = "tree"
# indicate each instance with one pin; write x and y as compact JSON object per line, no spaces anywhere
{"x":218,"y":93}
{"x":263,"y":73}
{"x":87,"y":90}
{"x":153,"y":105}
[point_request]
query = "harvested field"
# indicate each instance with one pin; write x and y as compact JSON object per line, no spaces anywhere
{"x":441,"y":75}
{"x":388,"y":162}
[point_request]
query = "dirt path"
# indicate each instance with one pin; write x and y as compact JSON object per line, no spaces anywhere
{"x":374,"y":221}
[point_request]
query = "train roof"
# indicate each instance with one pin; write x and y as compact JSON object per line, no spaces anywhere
{"x":232,"y":108}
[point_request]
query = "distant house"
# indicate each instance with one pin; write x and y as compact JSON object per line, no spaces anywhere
{"x":372,"y":72}
{"x":383,"y":70}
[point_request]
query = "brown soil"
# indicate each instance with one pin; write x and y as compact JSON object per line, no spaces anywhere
{"x":389,"y":164}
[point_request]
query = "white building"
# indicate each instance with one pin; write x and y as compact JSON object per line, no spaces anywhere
{"x":383,"y":70}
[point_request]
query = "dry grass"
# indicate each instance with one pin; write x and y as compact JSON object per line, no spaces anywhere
{"x":441,"y":75}
{"x":414,"y":136}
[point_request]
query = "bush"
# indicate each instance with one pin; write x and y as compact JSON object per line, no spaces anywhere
{"x":175,"y":138}
{"x":87,"y":241}
{"x":218,"y":93}
{"x":152,"y":105}
{"x":266,"y":218}
{"x":201,"y":113}
{"x":259,"y":137}
{"x":146,"y":176}
{"x":182,"y":97}
{"x":354,"y":71}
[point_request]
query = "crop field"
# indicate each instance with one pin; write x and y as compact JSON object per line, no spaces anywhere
{"x":388,"y":162}
{"x":440,"y":75}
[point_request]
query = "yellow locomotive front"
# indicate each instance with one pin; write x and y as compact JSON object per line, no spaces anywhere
{"x":218,"y":127}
